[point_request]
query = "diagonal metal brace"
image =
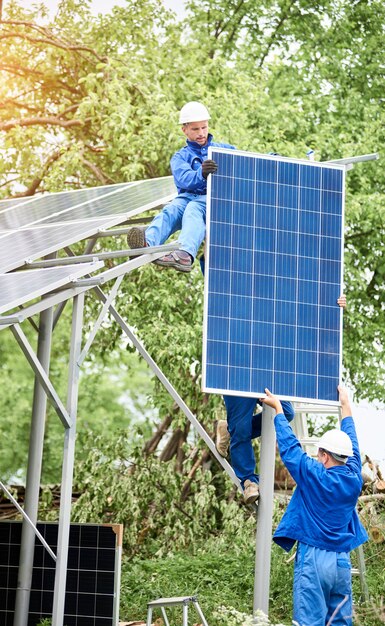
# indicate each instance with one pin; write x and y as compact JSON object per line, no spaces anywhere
{"x":172,"y":391}
{"x":28,"y":520}
{"x":109,"y":301}
{"x":41,"y":375}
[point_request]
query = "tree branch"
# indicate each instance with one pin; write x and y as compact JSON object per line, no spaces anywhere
{"x":223,"y":25}
{"x":36,"y":182}
{"x":152,"y":444}
{"x":103,"y":178}
{"x":42,"y":121}
{"x":186,"y":487}
{"x":26,"y":72}
{"x":19,"y":105}
{"x":285,"y":16}
{"x":51,"y":42}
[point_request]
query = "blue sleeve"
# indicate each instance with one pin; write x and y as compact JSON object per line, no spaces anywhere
{"x":184,"y":176}
{"x":354,"y":462}
{"x":295,"y":459}
{"x":288,"y":410}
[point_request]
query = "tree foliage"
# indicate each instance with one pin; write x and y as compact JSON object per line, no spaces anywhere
{"x":89,"y":100}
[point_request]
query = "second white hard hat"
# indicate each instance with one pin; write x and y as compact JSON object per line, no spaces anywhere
{"x":193,"y":112}
{"x":336,"y":441}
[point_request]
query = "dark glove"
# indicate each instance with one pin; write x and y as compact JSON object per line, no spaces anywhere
{"x":208,"y":167}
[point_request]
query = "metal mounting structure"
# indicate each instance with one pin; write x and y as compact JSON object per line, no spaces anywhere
{"x":37,"y":290}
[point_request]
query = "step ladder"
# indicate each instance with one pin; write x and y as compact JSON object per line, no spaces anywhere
{"x":182,"y":601}
{"x":300,"y":427}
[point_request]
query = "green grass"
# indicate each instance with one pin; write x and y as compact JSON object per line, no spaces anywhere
{"x":218,"y":575}
{"x":222,"y":575}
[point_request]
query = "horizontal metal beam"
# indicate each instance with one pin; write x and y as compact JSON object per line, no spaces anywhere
{"x":6,"y":320}
{"x":75,"y":288}
{"x":41,"y":375}
{"x":115,"y":272}
{"x":46,"y":302}
{"x":123,"y":231}
{"x":98,"y":256}
{"x":357,"y":159}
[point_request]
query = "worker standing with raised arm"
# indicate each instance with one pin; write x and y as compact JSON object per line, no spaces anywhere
{"x":322,"y":518}
{"x":187,"y":212}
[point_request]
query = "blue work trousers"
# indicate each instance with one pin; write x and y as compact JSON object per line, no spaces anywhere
{"x":244,"y":426}
{"x":187,"y":213}
{"x":322,"y":587}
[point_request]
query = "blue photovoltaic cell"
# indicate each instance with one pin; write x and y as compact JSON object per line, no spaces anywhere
{"x":32,"y":229}
{"x":273,"y":276}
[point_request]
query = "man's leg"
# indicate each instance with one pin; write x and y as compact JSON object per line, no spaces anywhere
{"x":192,"y":233}
{"x":193,"y":226}
{"x":341,"y":602}
{"x":167,"y":222}
{"x":314,"y":581}
{"x":257,"y":418}
{"x":239,"y":421}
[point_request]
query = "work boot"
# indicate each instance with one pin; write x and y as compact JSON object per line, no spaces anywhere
{"x":250,"y":492}
{"x":136,"y":237}
{"x":178,"y":259}
{"x":222,"y":437}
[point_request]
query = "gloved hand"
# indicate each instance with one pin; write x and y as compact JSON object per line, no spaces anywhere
{"x":209,"y":167}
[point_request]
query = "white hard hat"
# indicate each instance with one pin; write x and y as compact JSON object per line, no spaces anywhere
{"x":337,"y":442}
{"x":193,"y":112}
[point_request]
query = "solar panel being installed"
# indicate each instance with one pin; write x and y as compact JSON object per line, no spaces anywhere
{"x":273,"y":276}
{"x":32,"y":230}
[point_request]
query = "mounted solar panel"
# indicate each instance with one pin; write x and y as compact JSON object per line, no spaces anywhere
{"x":20,"y":287}
{"x":54,"y":221}
{"x":28,"y":211}
{"x":7,"y":204}
{"x":274,"y":252}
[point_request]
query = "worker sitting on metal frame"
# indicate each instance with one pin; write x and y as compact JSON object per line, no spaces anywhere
{"x":322,"y":518}
{"x":243,"y":424}
{"x":187,"y":212}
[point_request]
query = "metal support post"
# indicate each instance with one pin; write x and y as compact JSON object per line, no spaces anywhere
{"x":362,"y":573}
{"x":68,"y":464}
{"x":265,"y":512}
{"x":185,"y":614}
{"x":32,"y":488}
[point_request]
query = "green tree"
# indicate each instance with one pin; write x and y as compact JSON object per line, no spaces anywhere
{"x":92,"y":100}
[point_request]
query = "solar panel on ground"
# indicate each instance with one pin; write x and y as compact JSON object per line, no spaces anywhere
{"x":92,"y":587}
{"x":273,"y":276}
{"x":52,"y":226}
{"x":20,"y":287}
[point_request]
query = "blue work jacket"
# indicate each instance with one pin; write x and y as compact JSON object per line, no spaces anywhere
{"x":186,"y":166}
{"x":322,"y":512}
